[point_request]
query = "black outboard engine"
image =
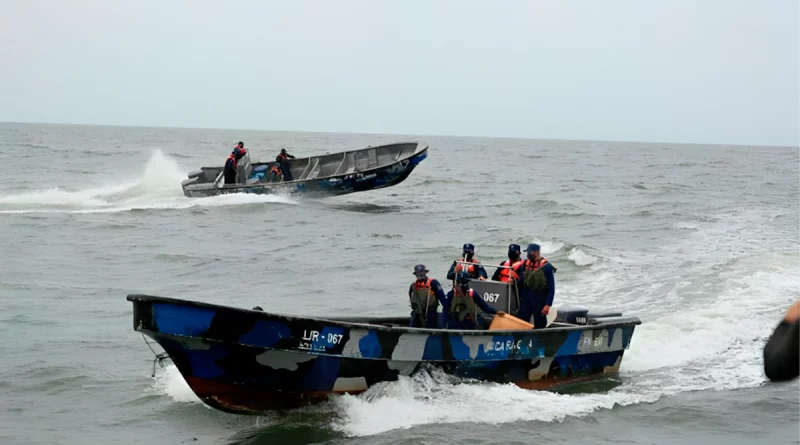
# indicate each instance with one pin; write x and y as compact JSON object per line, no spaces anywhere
{"x":572,"y":315}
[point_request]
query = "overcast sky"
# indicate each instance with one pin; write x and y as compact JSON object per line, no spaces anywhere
{"x":709,"y":71}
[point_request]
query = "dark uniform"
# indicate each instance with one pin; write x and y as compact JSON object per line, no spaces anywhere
{"x":283,"y":159}
{"x":425,"y":295}
{"x":462,"y":305}
{"x":230,"y":163}
{"x":537,"y":287}
{"x":782,"y":351}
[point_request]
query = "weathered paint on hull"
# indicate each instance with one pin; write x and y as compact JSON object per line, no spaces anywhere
{"x":249,"y":362}
{"x":254,"y":381}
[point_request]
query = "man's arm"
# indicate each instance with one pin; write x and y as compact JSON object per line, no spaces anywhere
{"x":439,"y":292}
{"x":482,"y":304}
{"x":451,"y":274}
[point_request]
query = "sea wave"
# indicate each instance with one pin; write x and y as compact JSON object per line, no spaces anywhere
{"x":157,"y":188}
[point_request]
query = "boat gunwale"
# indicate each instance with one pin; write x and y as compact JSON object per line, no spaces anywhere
{"x":210,"y":185}
{"x":143,"y":298}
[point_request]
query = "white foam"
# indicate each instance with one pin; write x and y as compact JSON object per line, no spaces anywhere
{"x":434,"y":398}
{"x":157,"y":188}
{"x":549,"y":247}
{"x":580,"y":258}
{"x":170,"y":382}
{"x":704,"y":328}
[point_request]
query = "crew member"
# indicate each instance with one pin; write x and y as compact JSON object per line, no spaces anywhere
{"x":782,"y":350}
{"x":537,"y":287}
{"x":283,"y":159}
{"x":474,"y":270}
{"x":230,"y":163}
{"x":425,"y":295}
{"x":275,"y":173}
{"x":462,"y":305}
{"x":506,"y":274}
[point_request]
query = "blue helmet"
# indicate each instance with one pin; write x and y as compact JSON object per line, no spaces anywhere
{"x":514,"y":248}
{"x":420,"y":269}
{"x":468,"y":248}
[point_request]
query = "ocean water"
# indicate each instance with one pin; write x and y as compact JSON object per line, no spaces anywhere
{"x":701,"y":242}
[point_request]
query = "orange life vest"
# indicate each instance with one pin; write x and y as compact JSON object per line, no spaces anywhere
{"x":507,"y":275}
{"x":423,"y":284}
{"x":232,"y":158}
{"x":535,"y":265}
{"x":472,"y":270}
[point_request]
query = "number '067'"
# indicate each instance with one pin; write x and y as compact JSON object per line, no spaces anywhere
{"x":491,"y":298}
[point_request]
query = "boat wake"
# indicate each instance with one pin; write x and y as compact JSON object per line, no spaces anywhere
{"x":157,"y":188}
{"x":704,"y":330}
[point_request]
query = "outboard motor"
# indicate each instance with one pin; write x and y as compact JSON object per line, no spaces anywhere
{"x":243,"y":169}
{"x":572,"y":315}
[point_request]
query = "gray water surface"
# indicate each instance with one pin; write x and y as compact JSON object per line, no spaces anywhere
{"x":701,"y":242}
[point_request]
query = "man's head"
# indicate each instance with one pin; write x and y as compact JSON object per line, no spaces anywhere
{"x":533,"y":252}
{"x":240,"y":144}
{"x":283,"y":151}
{"x":420,"y":272}
{"x":468,"y":251}
{"x":513,"y":252}
{"x":462,"y":280}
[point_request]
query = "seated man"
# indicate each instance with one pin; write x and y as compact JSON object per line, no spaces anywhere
{"x":462,"y":305}
{"x":283,"y":159}
{"x":230,"y":163}
{"x":474,"y":271}
{"x":425,"y":295}
{"x":275,"y":174}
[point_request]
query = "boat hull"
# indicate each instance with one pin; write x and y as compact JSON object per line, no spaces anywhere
{"x":249,"y":362}
{"x":340,"y":184}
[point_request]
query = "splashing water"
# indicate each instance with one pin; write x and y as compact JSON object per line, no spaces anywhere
{"x":580,"y":258}
{"x":157,"y":188}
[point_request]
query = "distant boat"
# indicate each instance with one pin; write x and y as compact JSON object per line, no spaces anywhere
{"x":249,"y":361}
{"x":331,"y":174}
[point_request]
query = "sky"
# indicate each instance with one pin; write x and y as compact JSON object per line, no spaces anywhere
{"x":702,"y":71}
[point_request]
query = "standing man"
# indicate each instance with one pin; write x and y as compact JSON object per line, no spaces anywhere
{"x":537,"y":287}
{"x":425,"y":295}
{"x":230,"y":163}
{"x":283,"y":159}
{"x":463,"y":304}
{"x":474,"y":271}
{"x":506,"y":274}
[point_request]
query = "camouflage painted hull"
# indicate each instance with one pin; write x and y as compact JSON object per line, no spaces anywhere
{"x":248,"y":362}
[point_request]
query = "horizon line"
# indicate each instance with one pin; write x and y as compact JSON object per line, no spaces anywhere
{"x":397,"y":134}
